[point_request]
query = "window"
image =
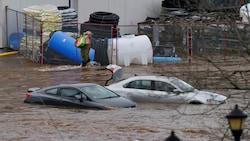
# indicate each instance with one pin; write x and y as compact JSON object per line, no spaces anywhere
{"x":97,"y":92}
{"x":69,"y":92}
{"x":183,"y":85}
{"x":162,"y":86}
{"x":139,"y":84}
{"x":52,"y":91}
{"x":132,"y":84}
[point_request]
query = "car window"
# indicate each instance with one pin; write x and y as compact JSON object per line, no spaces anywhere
{"x":52,"y":91}
{"x":131,"y":85}
{"x":140,"y":84}
{"x":183,"y":85}
{"x":98,"y":92}
{"x":69,"y":92}
{"x":162,"y":86}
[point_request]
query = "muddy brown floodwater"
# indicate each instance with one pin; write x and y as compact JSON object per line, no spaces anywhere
{"x":147,"y":122}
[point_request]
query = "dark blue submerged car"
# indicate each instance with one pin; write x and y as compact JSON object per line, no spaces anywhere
{"x":83,"y":95}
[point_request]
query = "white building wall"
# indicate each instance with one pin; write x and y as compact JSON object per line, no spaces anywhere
{"x":130,"y":11}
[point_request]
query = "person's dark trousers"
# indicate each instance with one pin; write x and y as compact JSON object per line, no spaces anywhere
{"x":85,"y":54}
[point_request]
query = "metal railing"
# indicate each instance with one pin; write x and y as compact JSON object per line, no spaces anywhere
{"x":186,"y":40}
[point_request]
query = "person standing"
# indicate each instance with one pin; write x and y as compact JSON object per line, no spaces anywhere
{"x":85,"y":49}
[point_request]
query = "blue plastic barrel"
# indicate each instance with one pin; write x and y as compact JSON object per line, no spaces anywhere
{"x":15,"y":40}
{"x":91,"y":54}
{"x":166,"y":59}
{"x":64,"y":45}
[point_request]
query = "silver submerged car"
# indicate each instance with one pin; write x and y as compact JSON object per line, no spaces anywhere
{"x":162,"y":89}
{"x":83,"y":95}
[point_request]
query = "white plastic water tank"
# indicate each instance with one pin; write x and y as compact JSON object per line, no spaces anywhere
{"x":130,"y":49}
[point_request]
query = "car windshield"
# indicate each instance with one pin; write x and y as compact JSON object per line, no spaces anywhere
{"x":98,"y":92}
{"x":185,"y":87}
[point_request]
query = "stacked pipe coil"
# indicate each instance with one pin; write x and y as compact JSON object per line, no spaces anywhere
{"x":102,"y":24}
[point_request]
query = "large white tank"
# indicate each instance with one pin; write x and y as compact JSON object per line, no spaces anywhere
{"x":130,"y":49}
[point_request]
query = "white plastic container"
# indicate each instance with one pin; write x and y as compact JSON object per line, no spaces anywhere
{"x":130,"y":49}
{"x":245,"y":13}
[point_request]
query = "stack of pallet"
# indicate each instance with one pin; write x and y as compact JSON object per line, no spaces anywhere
{"x":69,"y":19}
{"x":39,"y":20}
{"x":46,"y":17}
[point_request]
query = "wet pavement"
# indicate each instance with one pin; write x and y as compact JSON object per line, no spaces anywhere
{"x":147,"y":122}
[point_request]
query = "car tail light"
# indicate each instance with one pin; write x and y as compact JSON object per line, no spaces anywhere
{"x":108,"y":108}
{"x":28,"y":95}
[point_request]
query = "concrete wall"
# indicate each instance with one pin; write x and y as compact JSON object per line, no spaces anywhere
{"x":130,"y":11}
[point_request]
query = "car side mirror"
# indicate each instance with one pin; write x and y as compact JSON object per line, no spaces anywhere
{"x":78,"y":97}
{"x":176,"y":91}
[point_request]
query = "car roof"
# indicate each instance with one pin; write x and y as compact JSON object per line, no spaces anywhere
{"x":77,"y":85}
{"x":152,"y":77}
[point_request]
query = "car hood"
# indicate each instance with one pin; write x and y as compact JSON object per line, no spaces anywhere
{"x":117,"y":102}
{"x":208,"y":97}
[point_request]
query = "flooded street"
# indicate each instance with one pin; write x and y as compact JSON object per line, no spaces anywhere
{"x":146,"y":122}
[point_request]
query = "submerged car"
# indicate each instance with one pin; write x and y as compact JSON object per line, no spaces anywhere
{"x":162,"y":89}
{"x":83,"y":95}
